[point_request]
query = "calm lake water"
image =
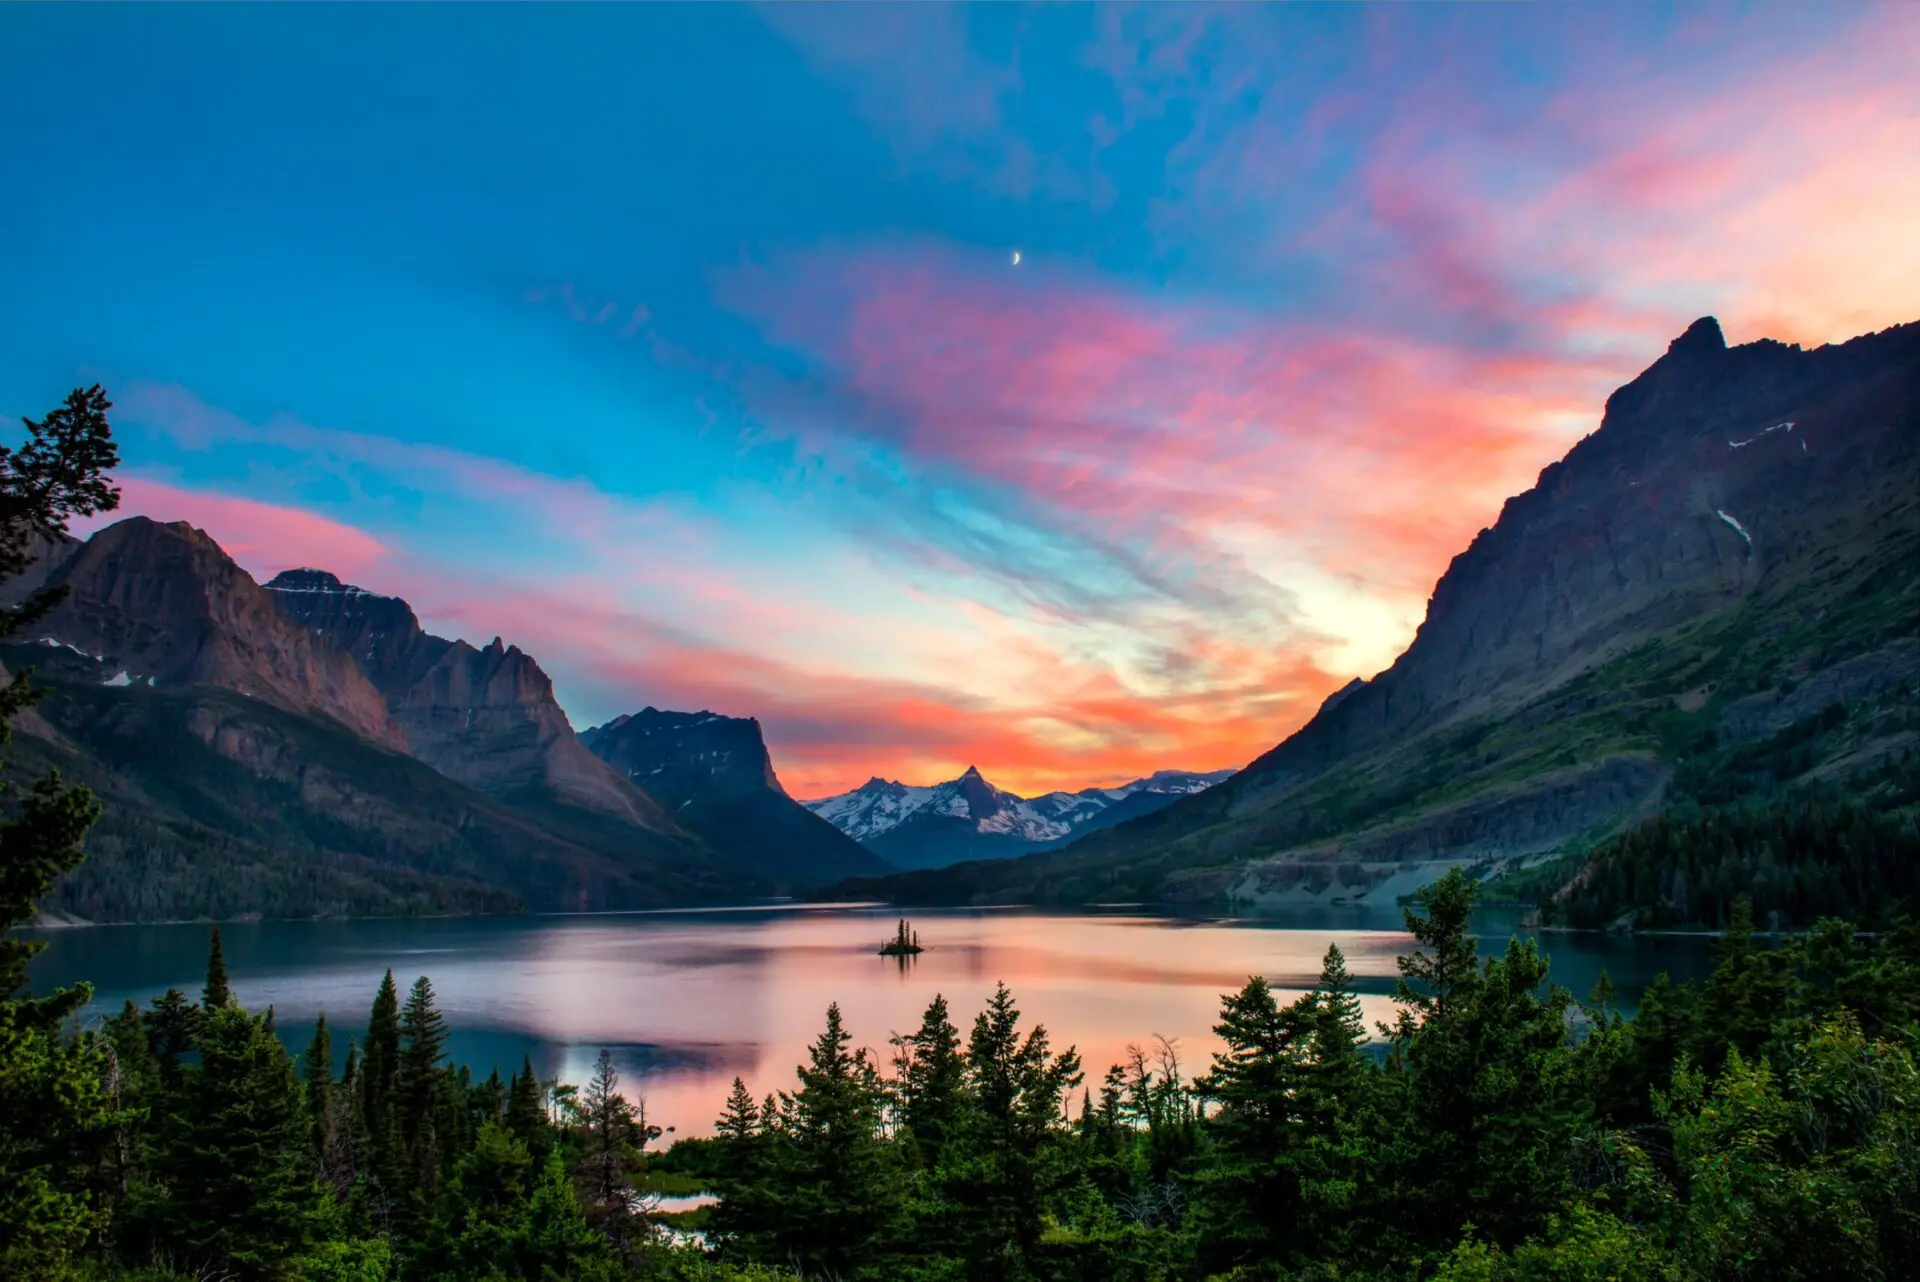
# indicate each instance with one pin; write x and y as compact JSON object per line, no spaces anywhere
{"x":687,"y":1000}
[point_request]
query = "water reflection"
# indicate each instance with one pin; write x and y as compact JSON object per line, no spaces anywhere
{"x":687,"y":1001}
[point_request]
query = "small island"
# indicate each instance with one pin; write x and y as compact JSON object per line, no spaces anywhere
{"x":905,"y":942}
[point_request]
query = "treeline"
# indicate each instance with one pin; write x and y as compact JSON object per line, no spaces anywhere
{"x":1826,"y":849}
{"x":1794,"y":863}
{"x":1764,"y":1125}
{"x":142,"y":868}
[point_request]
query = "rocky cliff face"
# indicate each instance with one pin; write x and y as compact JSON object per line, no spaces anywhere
{"x":677,"y":756}
{"x":1743,"y":525}
{"x":715,"y":777}
{"x":1714,"y":470}
{"x":164,"y":605}
{"x":486,"y":717}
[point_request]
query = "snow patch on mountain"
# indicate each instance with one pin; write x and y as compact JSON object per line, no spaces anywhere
{"x":880,"y":805}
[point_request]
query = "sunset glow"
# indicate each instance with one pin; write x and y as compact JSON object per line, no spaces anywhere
{"x":640,"y":374}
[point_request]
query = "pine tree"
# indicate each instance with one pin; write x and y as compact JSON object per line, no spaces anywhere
{"x":843,"y":1194}
{"x":740,"y":1120}
{"x":1481,"y":1126}
{"x":238,"y":1166}
{"x":380,"y":1060}
{"x":216,"y":993}
{"x":418,"y":1075}
{"x":525,"y":1118}
{"x":1748,"y":992}
{"x":53,"y":1109}
{"x":171,"y":1032}
{"x":747,"y":1213}
{"x":1334,"y":1093}
{"x":481,"y":1219}
{"x":1016,"y":1090}
{"x":1250,"y":1204}
{"x":615,"y":1138}
{"x":930,"y":1080}
{"x":383,"y":1162}
{"x":317,"y":1064}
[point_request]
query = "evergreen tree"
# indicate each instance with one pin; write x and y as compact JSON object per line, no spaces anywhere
{"x":482,"y":1215}
{"x":238,"y":1168}
{"x":216,"y":993}
{"x":930,"y":1083}
{"x":1017,"y":1090}
{"x":1478,"y":1056}
{"x":743,"y":1223}
{"x":383,"y":1164}
{"x":171,"y":1032}
{"x":1251,"y":1195}
{"x":1747,"y":993}
{"x":317,"y":1065}
{"x":844,"y":1192}
{"x":53,"y":1110}
{"x":418,"y":1079}
{"x":525,"y":1117}
{"x":740,"y":1122}
{"x":615,"y":1138}
{"x":134,"y":1091}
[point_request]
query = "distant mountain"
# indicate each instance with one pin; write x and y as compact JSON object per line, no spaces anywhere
{"x":968,"y":818}
{"x":486,"y":717}
{"x":250,"y":766}
{"x":1712,"y":598}
{"x":715,"y":778}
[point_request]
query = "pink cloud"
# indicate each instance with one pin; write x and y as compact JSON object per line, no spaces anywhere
{"x":263,"y":537}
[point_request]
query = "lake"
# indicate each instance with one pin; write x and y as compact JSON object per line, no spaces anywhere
{"x":688,"y":1000}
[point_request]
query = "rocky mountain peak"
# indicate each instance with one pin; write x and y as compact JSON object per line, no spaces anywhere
{"x":679,"y":755}
{"x":307,"y":579}
{"x":1702,"y":337}
{"x":486,"y":717}
{"x":165,"y":603}
{"x":715,"y":775}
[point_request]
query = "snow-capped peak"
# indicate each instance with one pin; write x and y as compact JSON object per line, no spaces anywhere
{"x":880,"y":805}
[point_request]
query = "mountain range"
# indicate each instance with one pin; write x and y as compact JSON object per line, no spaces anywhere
{"x":304,"y":747}
{"x":968,"y":818}
{"x":1713,"y":596}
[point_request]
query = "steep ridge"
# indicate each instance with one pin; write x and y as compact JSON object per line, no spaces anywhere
{"x":251,"y":767}
{"x":486,"y":717}
{"x":164,"y":605}
{"x":716,"y":778}
{"x":969,"y":818}
{"x":1744,"y":521}
{"x":221,"y":804}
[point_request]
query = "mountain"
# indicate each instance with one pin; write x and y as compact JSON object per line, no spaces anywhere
{"x":249,"y":766}
{"x":164,"y":605}
{"x":486,"y":717}
{"x":1714,"y":595}
{"x":968,"y":818}
{"x":716,"y":779}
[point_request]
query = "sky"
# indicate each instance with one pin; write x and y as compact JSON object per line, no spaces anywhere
{"x":687,"y":347}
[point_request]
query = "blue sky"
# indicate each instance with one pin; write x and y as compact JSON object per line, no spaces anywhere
{"x":685,"y":345}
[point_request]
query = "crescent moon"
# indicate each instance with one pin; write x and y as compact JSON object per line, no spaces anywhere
{"x":1016,"y":258}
